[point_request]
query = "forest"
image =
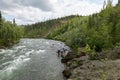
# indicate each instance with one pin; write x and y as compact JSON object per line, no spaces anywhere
{"x":41,"y":29}
{"x":99,"y":31}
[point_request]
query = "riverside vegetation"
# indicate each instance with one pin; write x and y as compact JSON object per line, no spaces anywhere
{"x":94,"y":39}
{"x":10,"y":33}
{"x":99,"y":31}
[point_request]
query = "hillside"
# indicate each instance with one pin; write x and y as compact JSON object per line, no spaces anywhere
{"x":41,"y":29}
{"x":95,"y":44}
{"x":99,"y":31}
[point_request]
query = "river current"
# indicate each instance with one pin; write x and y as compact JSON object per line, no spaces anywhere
{"x":32,"y":59}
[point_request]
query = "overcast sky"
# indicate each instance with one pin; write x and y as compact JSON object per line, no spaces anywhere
{"x":31,"y":11}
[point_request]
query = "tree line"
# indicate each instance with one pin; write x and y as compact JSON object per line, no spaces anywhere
{"x":41,"y":29}
{"x":99,"y":31}
{"x":10,"y":32}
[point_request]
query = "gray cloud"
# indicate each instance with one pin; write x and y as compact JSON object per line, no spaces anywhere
{"x":44,"y":5}
{"x":6,"y":4}
{"x":30,"y":11}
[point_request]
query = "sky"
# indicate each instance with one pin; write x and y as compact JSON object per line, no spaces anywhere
{"x":31,"y":11}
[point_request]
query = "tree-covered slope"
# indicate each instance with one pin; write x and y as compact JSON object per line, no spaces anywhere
{"x":98,"y":31}
{"x":41,"y":29}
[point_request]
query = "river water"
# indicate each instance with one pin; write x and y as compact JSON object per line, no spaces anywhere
{"x":32,"y":59}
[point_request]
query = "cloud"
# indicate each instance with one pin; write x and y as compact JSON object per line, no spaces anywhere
{"x":31,"y":11}
{"x":44,"y":5}
{"x":6,"y":4}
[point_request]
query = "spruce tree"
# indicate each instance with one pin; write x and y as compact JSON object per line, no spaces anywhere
{"x":104,"y":4}
{"x":109,"y":3}
{"x":118,"y":1}
{"x":0,"y":17}
{"x":14,"y":22}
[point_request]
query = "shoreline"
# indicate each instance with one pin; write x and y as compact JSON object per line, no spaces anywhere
{"x":3,"y":47}
{"x":82,"y":67}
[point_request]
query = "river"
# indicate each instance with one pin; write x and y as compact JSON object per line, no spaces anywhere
{"x":32,"y":59}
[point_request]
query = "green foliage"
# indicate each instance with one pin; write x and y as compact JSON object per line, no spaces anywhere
{"x":0,"y":17}
{"x":114,"y":20}
{"x":103,"y":75}
{"x":9,"y":33}
{"x":71,"y":33}
{"x":109,"y":3}
{"x":41,"y":29}
{"x":118,"y":2}
{"x":87,"y":49}
{"x":100,"y":31}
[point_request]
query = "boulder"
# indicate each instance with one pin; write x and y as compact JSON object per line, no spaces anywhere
{"x":67,"y":73}
{"x":68,"y":57}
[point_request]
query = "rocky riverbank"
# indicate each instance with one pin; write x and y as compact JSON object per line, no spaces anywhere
{"x":2,"y":47}
{"x":103,"y":66}
{"x":8,"y":45}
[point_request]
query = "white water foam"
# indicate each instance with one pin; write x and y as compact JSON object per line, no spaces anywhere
{"x":19,"y":47}
{"x":20,"y":60}
{"x":6,"y":72}
{"x":29,"y":53}
{"x":10,"y":69}
{"x":9,"y":52}
{"x":5,"y":51}
{"x":13,"y":65}
{"x":5,"y":63}
{"x":2,"y":51}
{"x":47,"y":43}
{"x":40,"y":51}
{"x":19,"y":56}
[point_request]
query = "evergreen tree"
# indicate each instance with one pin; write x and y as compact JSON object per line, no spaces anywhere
{"x":118,"y":1}
{"x":0,"y":18}
{"x":14,"y":23}
{"x":104,"y":4}
{"x":90,"y":22}
{"x":109,"y":3}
